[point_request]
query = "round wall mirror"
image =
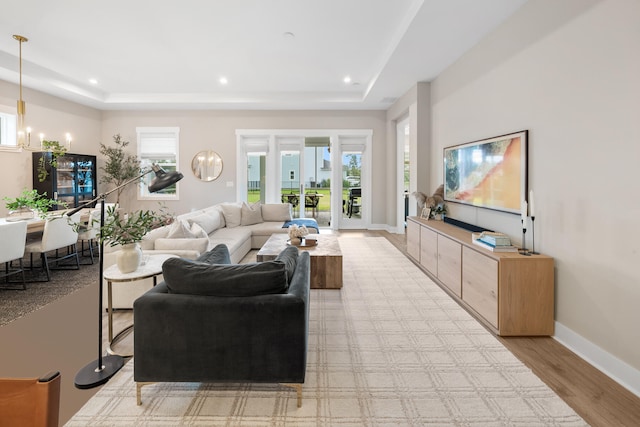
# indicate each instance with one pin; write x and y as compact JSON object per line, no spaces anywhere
{"x":207,"y":165}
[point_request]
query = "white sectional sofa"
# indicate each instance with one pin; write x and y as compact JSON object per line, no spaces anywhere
{"x":240,"y":226}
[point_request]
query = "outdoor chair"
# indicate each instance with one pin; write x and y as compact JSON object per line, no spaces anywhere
{"x":311,"y":201}
{"x":13,"y":236}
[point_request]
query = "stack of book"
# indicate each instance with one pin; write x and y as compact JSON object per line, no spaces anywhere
{"x":496,"y":242}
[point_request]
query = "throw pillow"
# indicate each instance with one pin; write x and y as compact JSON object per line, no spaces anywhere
{"x":232,"y":214}
{"x":208,"y":223}
{"x":148,"y":241}
{"x":180,"y":229}
{"x":183,"y":276}
{"x":250,"y":214}
{"x":276,"y":212}
{"x":199,"y":245}
{"x":289,"y":256}
{"x":218,"y":255}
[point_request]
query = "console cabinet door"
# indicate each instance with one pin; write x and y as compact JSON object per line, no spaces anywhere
{"x":429,"y":250}
{"x":450,"y":264}
{"x":480,"y":284}
{"x":413,"y":239}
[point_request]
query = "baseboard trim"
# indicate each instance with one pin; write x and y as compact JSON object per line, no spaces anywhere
{"x":619,"y":371}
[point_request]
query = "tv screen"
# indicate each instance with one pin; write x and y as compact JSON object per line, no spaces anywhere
{"x":490,"y":173}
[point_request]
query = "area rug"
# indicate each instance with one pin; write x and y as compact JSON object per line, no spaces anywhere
{"x":388,"y":349}
{"x":15,"y":304}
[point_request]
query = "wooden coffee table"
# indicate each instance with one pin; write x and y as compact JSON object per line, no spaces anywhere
{"x":326,"y":258}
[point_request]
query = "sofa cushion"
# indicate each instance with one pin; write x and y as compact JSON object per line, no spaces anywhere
{"x":184,"y":276}
{"x":195,"y":244}
{"x":208,"y":222}
{"x":250,"y":214}
{"x":218,"y":255}
{"x":181,"y":229}
{"x":276,"y":212}
{"x":148,"y":240}
{"x":289,"y":256}
{"x":232,"y":214}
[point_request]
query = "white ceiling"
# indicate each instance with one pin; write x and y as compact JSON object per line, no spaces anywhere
{"x":170,"y":54}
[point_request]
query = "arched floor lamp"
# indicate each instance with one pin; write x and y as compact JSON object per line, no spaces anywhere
{"x":101,"y":370}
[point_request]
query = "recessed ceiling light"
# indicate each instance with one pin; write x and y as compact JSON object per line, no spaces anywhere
{"x":93,"y":81}
{"x":223,"y":80}
{"x":347,"y":79}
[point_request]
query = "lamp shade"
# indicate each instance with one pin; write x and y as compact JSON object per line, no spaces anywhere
{"x":163,"y":179}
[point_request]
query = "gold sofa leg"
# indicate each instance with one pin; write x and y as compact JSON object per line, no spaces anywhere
{"x":139,"y":391}
{"x":298,"y":389}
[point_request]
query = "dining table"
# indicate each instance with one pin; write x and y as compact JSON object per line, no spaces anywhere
{"x":36,"y":224}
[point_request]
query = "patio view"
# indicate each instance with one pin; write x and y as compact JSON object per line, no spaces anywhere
{"x":316,"y":200}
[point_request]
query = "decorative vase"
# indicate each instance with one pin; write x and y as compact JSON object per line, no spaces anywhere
{"x":20,"y":214}
{"x":129,"y":257}
{"x":295,"y":241}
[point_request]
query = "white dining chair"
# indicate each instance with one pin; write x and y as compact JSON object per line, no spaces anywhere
{"x":89,"y":233}
{"x":58,"y":233}
{"x":13,"y":236}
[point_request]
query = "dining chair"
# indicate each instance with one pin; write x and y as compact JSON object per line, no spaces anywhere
{"x":30,"y":402}
{"x":13,"y":236}
{"x":58,"y":233}
{"x":89,"y":233}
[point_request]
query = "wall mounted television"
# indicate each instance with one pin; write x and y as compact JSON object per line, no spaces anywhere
{"x":489,"y":173}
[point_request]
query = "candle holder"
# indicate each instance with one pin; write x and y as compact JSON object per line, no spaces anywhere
{"x":523,"y":250}
{"x":533,"y":236}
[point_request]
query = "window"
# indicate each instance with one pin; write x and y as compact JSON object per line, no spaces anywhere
{"x":7,"y":130}
{"x":158,"y":145}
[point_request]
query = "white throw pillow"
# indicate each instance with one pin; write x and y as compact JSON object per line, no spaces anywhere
{"x":276,"y":212}
{"x":148,"y":240}
{"x":180,"y":229}
{"x":208,"y":223}
{"x":200,"y":245}
{"x":250,"y":214}
{"x":232,"y":214}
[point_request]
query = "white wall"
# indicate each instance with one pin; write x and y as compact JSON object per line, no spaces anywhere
{"x":569,"y":72}
{"x":215,"y":130}
{"x":49,"y":115}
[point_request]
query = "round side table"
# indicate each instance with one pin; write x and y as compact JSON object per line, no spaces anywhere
{"x":151,"y":268}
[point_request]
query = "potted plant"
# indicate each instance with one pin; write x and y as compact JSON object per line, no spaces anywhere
{"x":439,"y":212}
{"x":27,"y":204}
{"x":119,"y":166}
{"x":129,"y":229}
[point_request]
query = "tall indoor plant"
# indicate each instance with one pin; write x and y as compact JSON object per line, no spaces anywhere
{"x":119,"y":166}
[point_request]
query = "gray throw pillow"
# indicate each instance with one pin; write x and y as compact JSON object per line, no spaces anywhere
{"x":289,"y":256}
{"x":218,"y":255}
{"x":183,"y":276}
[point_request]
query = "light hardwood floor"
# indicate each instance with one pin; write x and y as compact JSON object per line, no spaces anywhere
{"x":594,"y":396}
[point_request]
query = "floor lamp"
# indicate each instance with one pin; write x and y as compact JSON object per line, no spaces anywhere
{"x":101,"y":370}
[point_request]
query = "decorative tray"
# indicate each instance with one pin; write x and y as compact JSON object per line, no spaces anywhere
{"x":305,"y":243}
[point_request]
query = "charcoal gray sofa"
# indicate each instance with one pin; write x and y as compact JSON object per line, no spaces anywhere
{"x":213,"y":321}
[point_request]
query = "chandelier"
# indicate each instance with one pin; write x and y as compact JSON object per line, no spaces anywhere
{"x":24,"y":132}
